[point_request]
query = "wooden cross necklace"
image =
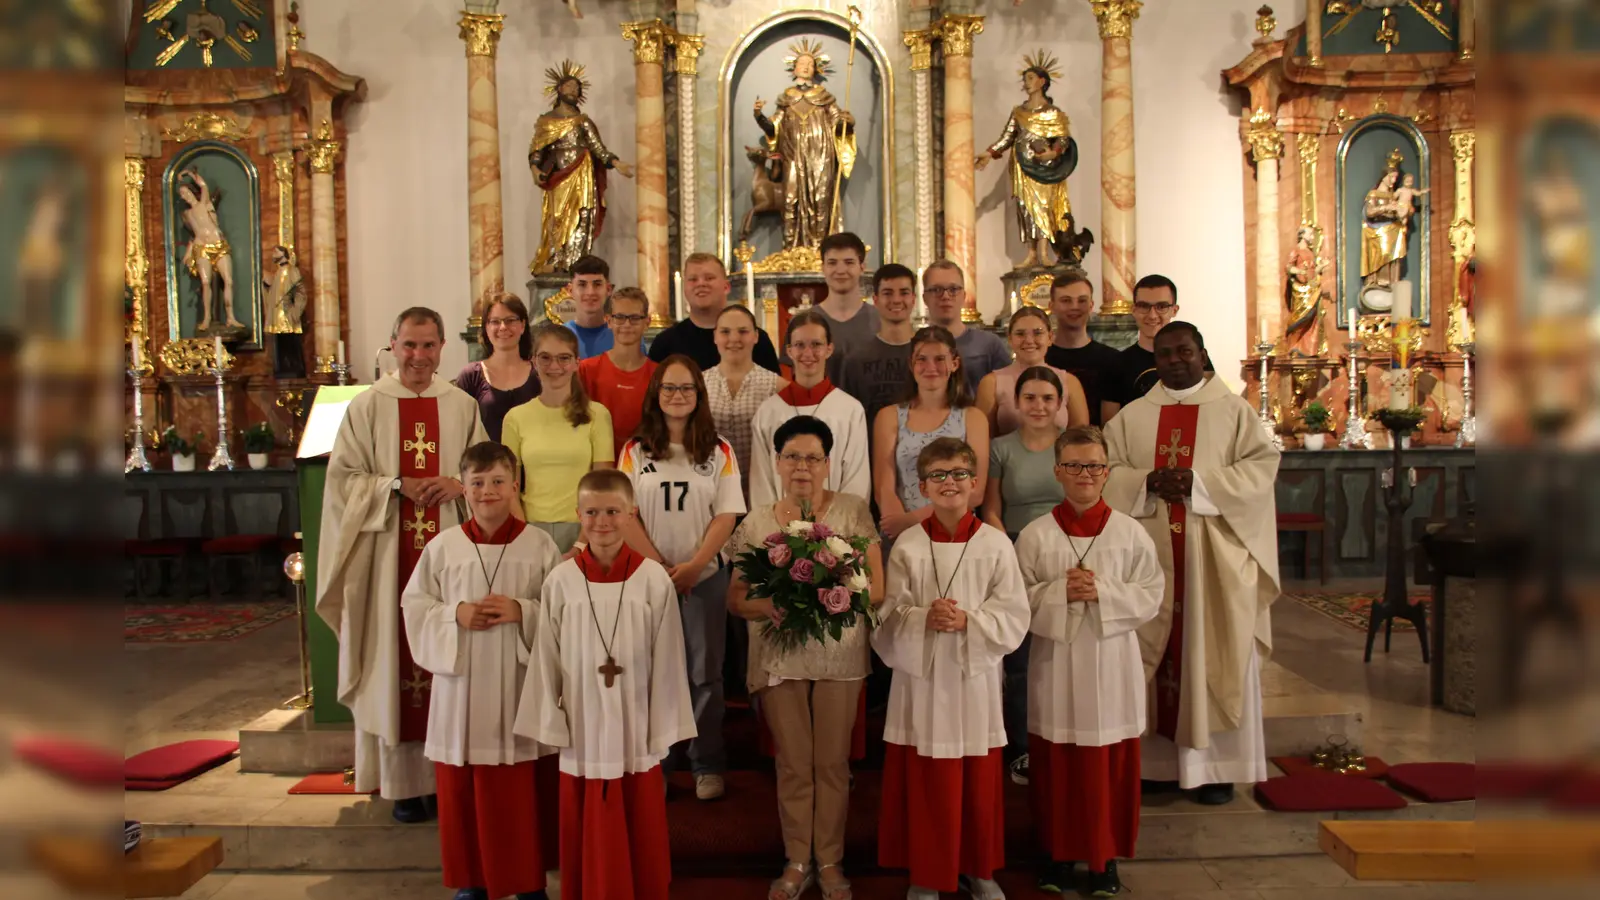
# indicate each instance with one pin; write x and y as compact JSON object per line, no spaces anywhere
{"x":610,"y":670}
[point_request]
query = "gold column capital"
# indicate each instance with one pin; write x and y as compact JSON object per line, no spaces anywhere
{"x":323,"y":150}
{"x":133,"y":172}
{"x":956,"y":33}
{"x":481,"y":31}
{"x":920,"y":44}
{"x":686,"y":52}
{"x":1266,"y":142}
{"x":649,"y":38}
{"x":1115,"y":17}
{"x":1462,"y":145}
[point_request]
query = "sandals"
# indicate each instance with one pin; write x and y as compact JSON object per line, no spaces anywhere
{"x":784,"y":890}
{"x":838,"y":890}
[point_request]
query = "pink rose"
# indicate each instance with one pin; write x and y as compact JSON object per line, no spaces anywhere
{"x":821,"y":532}
{"x":774,"y":539}
{"x":825,"y":559}
{"x":835,"y":599}
{"x":779,"y":555}
{"x":802,"y":570}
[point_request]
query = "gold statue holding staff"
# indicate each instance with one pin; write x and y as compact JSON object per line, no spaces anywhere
{"x":1043,"y":154}
{"x":569,"y":163}
{"x":807,"y":137}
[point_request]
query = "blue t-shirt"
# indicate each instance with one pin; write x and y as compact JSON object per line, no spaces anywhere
{"x":592,"y":341}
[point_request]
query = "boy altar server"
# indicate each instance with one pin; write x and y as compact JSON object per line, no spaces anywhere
{"x":607,"y":687}
{"x":955,"y":606}
{"x":470,"y":610}
{"x":1093,"y":579}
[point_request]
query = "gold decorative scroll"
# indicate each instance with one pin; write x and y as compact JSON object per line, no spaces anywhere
{"x":956,"y":33}
{"x":1115,"y":17}
{"x":283,"y":171}
{"x":1463,"y":233}
{"x":920,"y":43}
{"x":648,"y":39}
{"x":193,"y":356}
{"x":481,"y":32}
{"x":1265,"y":141}
{"x":686,"y":56}
{"x":323,"y":150}
{"x":1309,"y":145}
{"x":552,"y":304}
{"x":793,"y":260}
{"x":207,"y":126}
{"x":136,"y":265}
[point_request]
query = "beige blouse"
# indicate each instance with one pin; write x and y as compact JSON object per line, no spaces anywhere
{"x":846,"y":659}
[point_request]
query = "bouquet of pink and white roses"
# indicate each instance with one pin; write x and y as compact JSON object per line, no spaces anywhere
{"x":818,"y":582}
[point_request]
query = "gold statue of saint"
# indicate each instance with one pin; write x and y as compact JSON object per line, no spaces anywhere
{"x":1303,"y":333}
{"x":1043,"y":154}
{"x":569,"y":164}
{"x":810,"y":135}
{"x":286,"y":295}
{"x":1384,"y":224}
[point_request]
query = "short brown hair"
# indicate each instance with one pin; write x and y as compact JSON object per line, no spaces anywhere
{"x":844,"y":240}
{"x":812,"y":316}
{"x":485,"y":455}
{"x":627,"y":293}
{"x":591,"y":265}
{"x":606,"y":481}
{"x":1069,"y":278}
{"x":417,"y":314}
{"x":520,"y":310}
{"x":701,"y":257}
{"x":945,"y":448}
{"x":946,"y":264}
{"x":1081,"y":436}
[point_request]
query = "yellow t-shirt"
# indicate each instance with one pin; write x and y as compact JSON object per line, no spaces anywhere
{"x":554,"y":455}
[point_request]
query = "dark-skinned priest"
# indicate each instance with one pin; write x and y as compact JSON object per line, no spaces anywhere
{"x":1190,"y":462}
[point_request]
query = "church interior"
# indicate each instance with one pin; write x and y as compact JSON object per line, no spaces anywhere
{"x":1307,"y":172}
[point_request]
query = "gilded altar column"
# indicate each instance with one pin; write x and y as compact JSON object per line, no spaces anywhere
{"x":1463,"y":239}
{"x":1117,"y":226}
{"x":650,"y":149}
{"x":323,"y":153}
{"x":485,"y":228}
{"x":686,"y":65}
{"x":920,"y":44}
{"x":1467,"y":31}
{"x":1314,"y":33}
{"x":960,"y":202}
{"x":1266,"y":148}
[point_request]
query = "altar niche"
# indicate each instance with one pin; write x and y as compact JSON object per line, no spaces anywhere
{"x":44,"y":243}
{"x":756,"y":68}
{"x":232,"y":187}
{"x":1383,"y":165}
{"x":1559,"y":224}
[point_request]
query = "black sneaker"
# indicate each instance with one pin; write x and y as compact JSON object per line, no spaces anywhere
{"x":533,"y":895}
{"x":1105,"y":884}
{"x":1214,"y":794}
{"x":411,"y":811}
{"x":472,"y":894}
{"x":1057,"y":878}
{"x":1019,"y":770}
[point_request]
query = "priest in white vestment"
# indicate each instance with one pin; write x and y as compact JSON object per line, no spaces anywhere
{"x":392,"y":486}
{"x":1192,"y":463}
{"x":955,"y":605}
{"x":608,"y":687}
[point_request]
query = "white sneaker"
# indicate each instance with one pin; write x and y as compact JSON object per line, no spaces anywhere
{"x":916,"y":893}
{"x":982,"y":888}
{"x":1019,"y":770}
{"x":709,"y":786}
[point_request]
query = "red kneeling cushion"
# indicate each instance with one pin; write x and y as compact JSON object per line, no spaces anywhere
{"x":1300,"y":765}
{"x":1579,"y":793}
{"x":1325,"y":792}
{"x":322,"y":783}
{"x":1442,"y":782}
{"x":75,"y":761}
{"x":1298,"y":518}
{"x":239,"y":543}
{"x":176,"y":762}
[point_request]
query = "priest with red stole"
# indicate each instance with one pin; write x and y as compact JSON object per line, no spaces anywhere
{"x":1192,"y":463}
{"x":470,"y":611}
{"x":955,"y":605}
{"x":392,"y":486}
{"x":608,"y":687}
{"x":1093,"y":579}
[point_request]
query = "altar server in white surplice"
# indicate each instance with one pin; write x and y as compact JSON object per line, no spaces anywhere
{"x":391,"y":488}
{"x":1093,"y":579}
{"x":955,"y":606}
{"x":1192,"y":463}
{"x":608,"y":686}
{"x":470,"y":611}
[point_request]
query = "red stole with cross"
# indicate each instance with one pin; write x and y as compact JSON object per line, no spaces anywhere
{"x":419,"y":458}
{"x":1175,"y":434}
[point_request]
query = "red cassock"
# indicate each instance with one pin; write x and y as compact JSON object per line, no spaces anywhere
{"x":1085,"y":800}
{"x":497,"y":825}
{"x":614,"y":837}
{"x":941,"y":818}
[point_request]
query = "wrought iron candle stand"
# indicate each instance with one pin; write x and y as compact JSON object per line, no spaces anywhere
{"x":221,"y":459}
{"x":1270,"y":425}
{"x":1397,"y":486}
{"x":136,"y":455}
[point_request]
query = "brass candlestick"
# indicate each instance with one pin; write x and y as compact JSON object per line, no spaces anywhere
{"x":294,"y":566}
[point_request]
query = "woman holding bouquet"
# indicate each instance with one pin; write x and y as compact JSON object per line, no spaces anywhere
{"x":808,"y":690}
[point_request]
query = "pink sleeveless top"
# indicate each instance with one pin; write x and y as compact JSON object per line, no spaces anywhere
{"x":1006,"y":418}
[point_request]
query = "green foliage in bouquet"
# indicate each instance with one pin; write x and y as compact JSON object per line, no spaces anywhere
{"x":818,"y":581}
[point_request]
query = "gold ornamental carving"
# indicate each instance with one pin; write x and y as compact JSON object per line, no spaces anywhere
{"x":283,"y":171}
{"x":956,"y":33}
{"x":795,"y":260}
{"x":920,"y":43}
{"x":648,"y":39}
{"x":552,"y":304}
{"x":1266,"y":23}
{"x":1266,"y":142}
{"x":1462,"y":146}
{"x":193,"y":356}
{"x":481,"y":32}
{"x":323,"y":151}
{"x":1309,"y":146}
{"x":1115,"y":17}
{"x":136,"y":265}
{"x":686,"y":53}
{"x":208,"y":126}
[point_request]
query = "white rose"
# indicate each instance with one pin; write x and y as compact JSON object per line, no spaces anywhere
{"x":797,"y":528}
{"x":856,"y":582}
{"x":839,"y":547}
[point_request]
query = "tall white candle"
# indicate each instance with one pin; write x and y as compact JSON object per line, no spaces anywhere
{"x":134,"y":344}
{"x":216,"y":346}
{"x":917,"y":307}
{"x":1404,"y":301}
{"x":1352,"y":330}
{"x":341,"y":353}
{"x":750,"y":284}
{"x":677,"y":294}
{"x":1015,"y":303}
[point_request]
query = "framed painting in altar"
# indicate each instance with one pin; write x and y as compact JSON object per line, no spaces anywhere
{"x":1560,"y":219}
{"x":1385,"y":210}
{"x":211,"y":222}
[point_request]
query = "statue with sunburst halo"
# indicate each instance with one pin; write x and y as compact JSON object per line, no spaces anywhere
{"x":1043,"y":154}
{"x":809,"y":137}
{"x":569,"y":163}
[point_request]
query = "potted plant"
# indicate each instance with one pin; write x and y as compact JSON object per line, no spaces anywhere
{"x":1315,"y":417}
{"x":259,"y":441}
{"x":181,"y":450}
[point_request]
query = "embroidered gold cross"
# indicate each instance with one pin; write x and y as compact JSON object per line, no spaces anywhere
{"x":418,"y":526}
{"x":419,"y":682}
{"x":1175,"y":449}
{"x":421,"y":445}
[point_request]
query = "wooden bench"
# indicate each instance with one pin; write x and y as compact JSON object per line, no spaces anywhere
{"x":158,"y":867}
{"x":1402,"y":851}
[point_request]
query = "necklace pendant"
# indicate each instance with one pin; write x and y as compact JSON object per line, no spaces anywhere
{"x":610,"y":670}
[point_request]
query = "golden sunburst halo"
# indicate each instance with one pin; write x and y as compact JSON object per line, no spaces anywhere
{"x":1041,"y":59}
{"x":821,"y":63}
{"x":568,"y":69}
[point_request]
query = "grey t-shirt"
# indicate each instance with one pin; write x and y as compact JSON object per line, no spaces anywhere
{"x":874,"y":373}
{"x":981,"y":353}
{"x":1028,"y":486}
{"x":848,"y":338}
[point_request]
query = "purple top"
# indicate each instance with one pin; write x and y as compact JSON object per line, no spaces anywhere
{"x":493,"y":403}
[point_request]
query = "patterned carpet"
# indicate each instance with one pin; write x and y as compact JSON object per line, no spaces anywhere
{"x":1352,"y":609}
{"x":190,"y":623}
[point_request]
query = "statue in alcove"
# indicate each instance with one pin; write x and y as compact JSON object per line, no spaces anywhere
{"x":286,"y":307}
{"x":816,"y":142}
{"x":209,"y":258}
{"x":1385,"y":224}
{"x":1303,"y":332}
{"x":569,"y":163}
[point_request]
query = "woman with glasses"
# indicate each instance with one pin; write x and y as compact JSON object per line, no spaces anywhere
{"x":557,"y":437}
{"x":810,"y":345}
{"x":618,"y":376}
{"x":686,"y":485}
{"x":1029,"y":333}
{"x":736,"y":385}
{"x":937,"y":405}
{"x":808,"y":696}
{"x":505,"y":379}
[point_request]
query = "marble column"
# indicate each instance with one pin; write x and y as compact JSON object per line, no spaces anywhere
{"x":1117,"y":227}
{"x":1314,"y":33}
{"x":650,"y":149}
{"x":686,"y":65}
{"x":485,"y":218}
{"x":323,"y":153}
{"x":921,"y":45}
{"x":960,"y":203}
{"x":1266,"y":148}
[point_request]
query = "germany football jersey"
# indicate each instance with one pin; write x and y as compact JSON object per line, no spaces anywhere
{"x":678,"y":499}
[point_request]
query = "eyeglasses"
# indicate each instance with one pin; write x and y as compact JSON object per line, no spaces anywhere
{"x":801,"y":459}
{"x":558,"y":359}
{"x":1035,"y":333}
{"x":681,"y":390}
{"x":808,"y":346}
{"x":1162,"y":308}
{"x":503,"y":323}
{"x":943,"y":475}
{"x":628,"y":318}
{"x":1073,"y":468}
{"x":943,"y":290}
